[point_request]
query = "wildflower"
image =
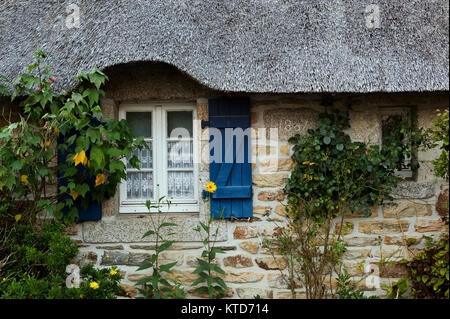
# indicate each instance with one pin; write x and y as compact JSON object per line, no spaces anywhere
{"x":211,"y":187}
{"x":112,"y":272}
{"x":52,"y":79}
{"x":56,"y":131}
{"x":80,"y":158}
{"x":24,"y":179}
{"x":18,"y":217}
{"x":107,"y":256}
{"x":316,"y":178}
{"x":305,"y":162}
{"x":27,"y":154}
{"x":38,"y":89}
{"x":47,"y":144}
{"x":46,"y":124}
{"x":93,"y":285}
{"x":99,"y":179}
{"x":74,"y":194}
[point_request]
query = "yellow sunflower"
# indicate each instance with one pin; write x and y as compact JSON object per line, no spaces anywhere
{"x":211,"y":187}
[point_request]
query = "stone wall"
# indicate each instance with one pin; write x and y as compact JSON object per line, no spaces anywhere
{"x":252,"y":270}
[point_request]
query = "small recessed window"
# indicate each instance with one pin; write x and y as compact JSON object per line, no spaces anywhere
{"x":393,"y":122}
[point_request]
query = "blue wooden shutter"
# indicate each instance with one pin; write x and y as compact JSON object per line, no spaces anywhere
{"x":94,"y":210}
{"x":233,"y":197}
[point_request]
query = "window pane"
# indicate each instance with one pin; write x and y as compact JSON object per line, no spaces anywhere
{"x":180,"y":185}
{"x":180,"y":154}
{"x":179,"y":123}
{"x":145,"y":157}
{"x":139,"y":185}
{"x":140,"y":123}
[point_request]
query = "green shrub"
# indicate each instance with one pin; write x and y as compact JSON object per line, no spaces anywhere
{"x":38,"y":270}
{"x":96,"y":284}
{"x":94,"y":146}
{"x":40,"y":253}
{"x":429,"y":271}
{"x":439,"y":134}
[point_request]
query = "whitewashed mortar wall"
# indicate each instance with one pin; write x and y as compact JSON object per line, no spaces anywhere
{"x":251,"y":270}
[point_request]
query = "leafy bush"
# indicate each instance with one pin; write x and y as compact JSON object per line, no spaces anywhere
{"x":346,"y":289}
{"x":429,"y":271}
{"x":96,"y":284}
{"x":439,"y":134}
{"x":39,"y":268}
{"x":333,"y":176}
{"x":95,"y":148}
{"x":39,"y":253}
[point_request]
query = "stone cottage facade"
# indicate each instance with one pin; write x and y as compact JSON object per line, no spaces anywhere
{"x":286,"y":89}
{"x":251,"y":269}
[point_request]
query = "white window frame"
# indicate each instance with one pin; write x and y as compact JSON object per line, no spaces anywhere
{"x":159,"y":148}
{"x":398,"y":110}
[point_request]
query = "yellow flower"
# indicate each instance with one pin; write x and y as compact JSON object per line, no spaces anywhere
{"x":316,"y":178}
{"x":56,"y":131}
{"x":305,"y":163}
{"x":18,"y":217}
{"x":74,"y":194}
{"x":211,"y":187}
{"x":80,"y":158}
{"x":112,"y":272}
{"x":94,"y":285}
{"x":47,"y":144}
{"x":24,"y":179}
{"x":99,"y":179}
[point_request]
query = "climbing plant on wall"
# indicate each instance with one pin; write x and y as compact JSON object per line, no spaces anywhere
{"x":333,"y":176}
{"x":93,"y":148}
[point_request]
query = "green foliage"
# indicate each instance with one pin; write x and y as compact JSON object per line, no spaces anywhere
{"x":439,"y":135}
{"x":333,"y":176}
{"x":38,"y":270}
{"x":429,"y":271}
{"x":156,"y":286}
{"x":27,"y":150}
{"x":107,"y":280}
{"x":398,"y":289}
{"x":333,"y":172}
{"x":346,"y":288}
{"x":208,"y":271}
{"x":401,"y":138}
{"x":39,"y":253}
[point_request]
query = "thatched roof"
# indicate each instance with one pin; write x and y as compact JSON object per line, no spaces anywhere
{"x":240,"y":45}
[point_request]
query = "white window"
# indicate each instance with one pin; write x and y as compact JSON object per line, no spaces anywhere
{"x":168,"y":167}
{"x":391,"y":121}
